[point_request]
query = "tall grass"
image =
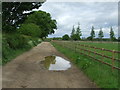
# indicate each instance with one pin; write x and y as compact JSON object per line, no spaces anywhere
{"x":15,"y":44}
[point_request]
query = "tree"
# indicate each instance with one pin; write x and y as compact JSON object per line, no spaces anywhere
{"x":75,"y":37}
{"x":73,"y":31}
{"x":13,"y":16}
{"x":118,"y":39}
{"x":78,"y":31}
{"x":65,"y":37}
{"x":100,"y":34}
{"x":92,"y":33}
{"x":89,"y":38}
{"x":112,"y":36}
{"x":30,"y":30}
{"x":46,"y":24}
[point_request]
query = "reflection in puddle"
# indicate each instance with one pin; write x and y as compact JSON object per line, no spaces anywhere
{"x":56,"y":63}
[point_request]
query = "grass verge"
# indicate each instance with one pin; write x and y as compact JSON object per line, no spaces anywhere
{"x":99,"y":73}
{"x":15,"y":44}
{"x":13,"y":54}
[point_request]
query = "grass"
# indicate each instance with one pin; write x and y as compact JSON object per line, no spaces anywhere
{"x":110,"y":45}
{"x":14,"y":44}
{"x":76,"y":46}
{"x":13,"y":54}
{"x":0,"y":48}
{"x":99,"y":73}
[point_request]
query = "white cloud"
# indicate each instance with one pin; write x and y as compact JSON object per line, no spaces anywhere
{"x":97,"y":14}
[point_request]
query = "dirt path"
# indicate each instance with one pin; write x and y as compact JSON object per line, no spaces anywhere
{"x":26,"y":72}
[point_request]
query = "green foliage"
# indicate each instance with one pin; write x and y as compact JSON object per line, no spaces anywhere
{"x":73,"y":31}
{"x":75,"y":34}
{"x":96,"y":71}
{"x":118,"y":39}
{"x":65,"y":37}
{"x":75,"y":37}
{"x":57,"y":38}
{"x":100,"y":34}
{"x":78,"y":30}
{"x":47,"y":39}
{"x":15,"y":44}
{"x":36,"y":41}
{"x":44,"y":21}
{"x":112,"y":35}
{"x":92,"y":33}
{"x":30,"y":29}
{"x":13,"y":16}
{"x":16,"y":41}
{"x":89,"y":38}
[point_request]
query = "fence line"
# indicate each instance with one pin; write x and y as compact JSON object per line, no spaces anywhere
{"x":75,"y":46}
{"x":100,"y":48}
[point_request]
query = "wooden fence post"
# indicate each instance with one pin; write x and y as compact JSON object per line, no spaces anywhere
{"x":102,"y":55}
{"x":113,"y":56}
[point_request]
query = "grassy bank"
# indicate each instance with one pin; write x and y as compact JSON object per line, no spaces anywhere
{"x":14,"y":44}
{"x":99,"y":73}
{"x":11,"y":54}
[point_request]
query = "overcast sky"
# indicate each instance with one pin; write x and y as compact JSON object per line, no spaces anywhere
{"x":98,"y":14}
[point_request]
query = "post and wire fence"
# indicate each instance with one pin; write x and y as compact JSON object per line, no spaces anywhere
{"x":102,"y":55}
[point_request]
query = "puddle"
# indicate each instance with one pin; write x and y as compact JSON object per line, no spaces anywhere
{"x":56,"y":63}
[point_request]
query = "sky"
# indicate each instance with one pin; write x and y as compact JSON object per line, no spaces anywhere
{"x":98,"y":14}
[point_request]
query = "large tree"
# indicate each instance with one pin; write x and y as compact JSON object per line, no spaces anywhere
{"x":100,"y":34}
{"x":92,"y":33}
{"x":13,"y":16}
{"x":42,"y":19}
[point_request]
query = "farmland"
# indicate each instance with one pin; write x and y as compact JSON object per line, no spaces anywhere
{"x":79,"y":53}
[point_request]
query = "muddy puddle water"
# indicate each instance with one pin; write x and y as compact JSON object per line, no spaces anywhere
{"x":56,"y":63}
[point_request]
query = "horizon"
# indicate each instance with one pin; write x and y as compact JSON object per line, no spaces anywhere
{"x":98,"y":14}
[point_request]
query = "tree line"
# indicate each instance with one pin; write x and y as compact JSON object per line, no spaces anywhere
{"x":76,"y":34}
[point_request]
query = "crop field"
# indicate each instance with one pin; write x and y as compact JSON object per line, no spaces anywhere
{"x":98,"y":60}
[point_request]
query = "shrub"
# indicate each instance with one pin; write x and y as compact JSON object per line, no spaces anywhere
{"x":65,"y":37}
{"x":30,"y":30}
{"x":16,"y":41}
{"x":5,"y":49}
{"x":34,"y":41}
{"x":57,"y":38}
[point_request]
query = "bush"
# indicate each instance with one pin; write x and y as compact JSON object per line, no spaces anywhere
{"x":15,"y":44}
{"x":118,"y":39}
{"x":57,"y":38}
{"x":65,"y":37}
{"x":47,"y":39}
{"x":89,"y":38}
{"x":34,"y":41}
{"x":16,"y":41}
{"x":5,"y":50}
{"x":30,"y":30}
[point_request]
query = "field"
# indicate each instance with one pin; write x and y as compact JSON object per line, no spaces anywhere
{"x":105,"y":76}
